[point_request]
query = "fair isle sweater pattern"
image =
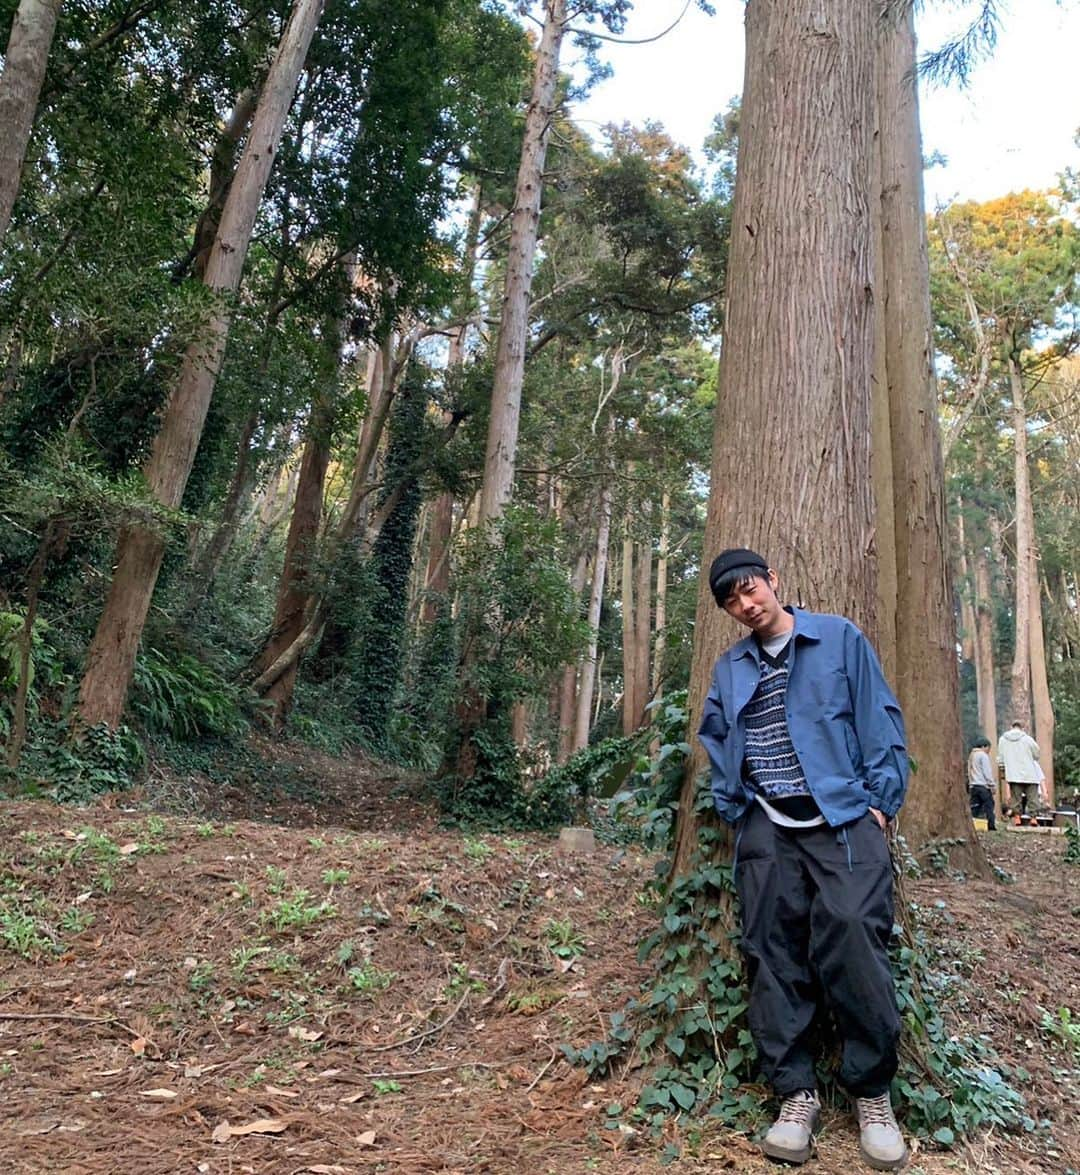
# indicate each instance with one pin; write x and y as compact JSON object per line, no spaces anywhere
{"x":771,"y":766}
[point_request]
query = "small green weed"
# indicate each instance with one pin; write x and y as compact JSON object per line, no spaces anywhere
{"x":205,"y":830}
{"x":1063,"y":1026}
{"x":477,"y":850}
{"x":369,"y":979}
{"x":563,"y":940}
{"x":335,"y":877}
{"x":275,"y":879}
{"x":461,"y":981}
{"x":76,"y":920}
{"x":21,"y":933}
{"x":297,"y":911}
{"x":201,"y":977}
{"x":382,"y":1087}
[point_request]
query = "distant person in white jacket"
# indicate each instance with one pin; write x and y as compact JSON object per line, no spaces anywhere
{"x":1018,"y":755}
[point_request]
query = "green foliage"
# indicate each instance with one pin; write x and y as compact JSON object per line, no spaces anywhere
{"x":77,"y":764}
{"x":596,"y":770}
{"x":1072,"y":845}
{"x":175,"y":693}
{"x":520,"y":624}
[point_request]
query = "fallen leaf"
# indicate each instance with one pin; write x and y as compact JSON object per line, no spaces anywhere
{"x":323,"y":1169}
{"x":222,"y":1132}
{"x":277,"y":1091}
{"x":108,"y":1072}
{"x":193,"y":1070}
{"x":329,"y":1073}
{"x":349,"y":1099}
{"x":299,"y":1032}
{"x":160,"y":1094}
{"x":138,"y":1046}
{"x":366,"y":1139}
{"x":83,"y":897}
{"x":128,"y":849}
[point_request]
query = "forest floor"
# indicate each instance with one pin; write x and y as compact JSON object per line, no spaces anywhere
{"x":306,"y":974}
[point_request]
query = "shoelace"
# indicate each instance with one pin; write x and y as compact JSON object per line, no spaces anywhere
{"x":799,"y":1108}
{"x":876,"y":1111}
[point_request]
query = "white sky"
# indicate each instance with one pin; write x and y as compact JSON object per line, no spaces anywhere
{"x":1012,"y":128}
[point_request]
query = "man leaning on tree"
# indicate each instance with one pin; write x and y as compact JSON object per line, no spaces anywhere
{"x":806,"y":745}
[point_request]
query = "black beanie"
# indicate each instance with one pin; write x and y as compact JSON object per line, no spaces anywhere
{"x":728,"y":560}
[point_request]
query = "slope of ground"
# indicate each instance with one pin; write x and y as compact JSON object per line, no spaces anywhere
{"x":382,"y":995}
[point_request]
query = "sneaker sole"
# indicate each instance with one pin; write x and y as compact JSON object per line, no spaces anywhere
{"x":885,"y":1164}
{"x":785,"y":1156}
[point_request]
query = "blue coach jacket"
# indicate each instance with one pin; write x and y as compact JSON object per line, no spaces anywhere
{"x":845,"y":723}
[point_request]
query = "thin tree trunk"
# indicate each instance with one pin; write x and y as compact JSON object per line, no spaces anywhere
{"x":984,"y":650}
{"x":967,"y":605}
{"x":1040,"y":686}
{"x":643,"y":625}
{"x":111,"y":657}
{"x":294,"y":593}
{"x":568,"y":683}
{"x":793,"y":409}
{"x":660,"y":623}
{"x":25,"y":60}
{"x":596,"y":597}
{"x":222,"y":171}
{"x":629,"y":636}
{"x":927,"y":678}
{"x":501,"y":450}
{"x":1020,"y":676}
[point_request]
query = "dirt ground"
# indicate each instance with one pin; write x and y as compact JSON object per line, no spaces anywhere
{"x":352,"y":989}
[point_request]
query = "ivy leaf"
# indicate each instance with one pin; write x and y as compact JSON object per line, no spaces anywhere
{"x":945,"y":1136}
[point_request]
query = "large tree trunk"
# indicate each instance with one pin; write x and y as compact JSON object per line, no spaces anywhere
{"x":294,"y":593}
{"x":927,"y":673}
{"x":1020,"y":677}
{"x":501,"y":452}
{"x":20,"y":84}
{"x":111,"y":657}
{"x":596,"y":597}
{"x":793,"y":407}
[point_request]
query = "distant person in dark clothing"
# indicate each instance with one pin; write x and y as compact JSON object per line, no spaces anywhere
{"x":806,"y":744}
{"x":982,"y":781}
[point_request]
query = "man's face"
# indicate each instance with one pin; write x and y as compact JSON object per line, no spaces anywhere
{"x":754,"y":604}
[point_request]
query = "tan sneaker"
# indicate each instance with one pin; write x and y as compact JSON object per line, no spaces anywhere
{"x":880,"y":1141}
{"x":789,"y":1137}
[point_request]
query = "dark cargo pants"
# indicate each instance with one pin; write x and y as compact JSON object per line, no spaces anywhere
{"x":817,"y":912}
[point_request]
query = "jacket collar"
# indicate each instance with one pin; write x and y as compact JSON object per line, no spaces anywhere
{"x":807,"y":628}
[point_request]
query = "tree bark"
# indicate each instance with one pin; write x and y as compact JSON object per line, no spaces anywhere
{"x":660,"y":620}
{"x":111,"y":657}
{"x":984,"y":650}
{"x":568,"y":683}
{"x":20,"y":85}
{"x":643,"y":625}
{"x":793,"y":408}
{"x":927,"y":673}
{"x":1040,"y":686}
{"x":596,"y":597}
{"x":294,"y":593}
{"x":1020,"y":675}
{"x":501,"y":450}
{"x":630,"y":704}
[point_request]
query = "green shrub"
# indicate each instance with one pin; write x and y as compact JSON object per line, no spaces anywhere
{"x":177,"y":694}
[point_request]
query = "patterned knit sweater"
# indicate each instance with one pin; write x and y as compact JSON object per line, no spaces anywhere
{"x":770,"y":766}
